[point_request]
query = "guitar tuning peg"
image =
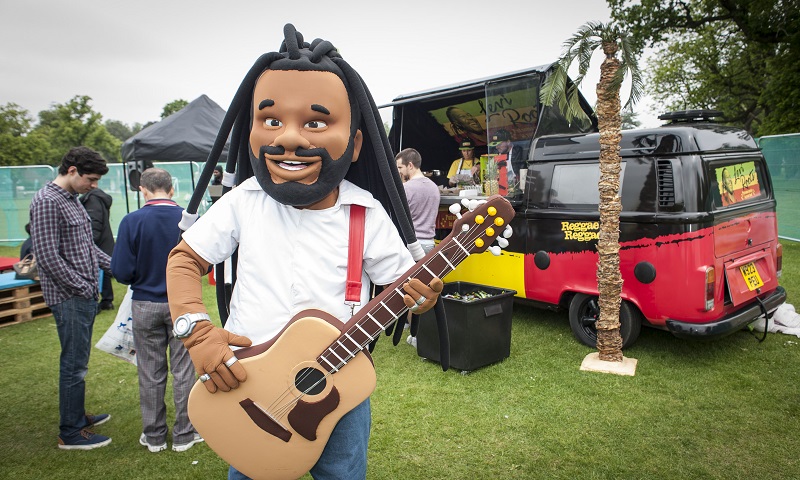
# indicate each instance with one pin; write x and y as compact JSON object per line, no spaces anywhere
{"x":494,"y":250}
{"x":508,"y":232}
{"x":502,"y":242}
{"x":465,"y":202}
{"x":473,"y":204}
{"x":455,"y":209}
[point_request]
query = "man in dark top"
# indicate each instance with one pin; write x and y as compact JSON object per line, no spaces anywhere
{"x":217,"y":178}
{"x":502,"y":145}
{"x":98,"y":205}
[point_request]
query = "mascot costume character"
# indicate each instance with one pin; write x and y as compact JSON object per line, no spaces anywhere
{"x":317,"y":215}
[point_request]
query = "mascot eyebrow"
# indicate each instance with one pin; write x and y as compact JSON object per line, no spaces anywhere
{"x":317,"y":108}
{"x":375,"y":170}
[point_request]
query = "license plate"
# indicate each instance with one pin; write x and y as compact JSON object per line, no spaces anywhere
{"x":751,"y":276}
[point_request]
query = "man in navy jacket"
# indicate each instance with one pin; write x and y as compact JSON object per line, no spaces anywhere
{"x":144,"y":241}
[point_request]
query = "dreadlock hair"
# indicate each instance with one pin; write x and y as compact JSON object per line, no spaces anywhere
{"x":375,"y":170}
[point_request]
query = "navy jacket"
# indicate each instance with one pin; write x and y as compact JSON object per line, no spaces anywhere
{"x":144,"y":240}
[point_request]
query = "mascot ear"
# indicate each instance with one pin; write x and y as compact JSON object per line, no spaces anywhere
{"x":358,"y":139}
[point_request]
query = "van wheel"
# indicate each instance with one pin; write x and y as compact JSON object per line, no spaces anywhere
{"x":584,"y":311}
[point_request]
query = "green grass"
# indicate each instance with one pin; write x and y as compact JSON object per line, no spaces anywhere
{"x":727,"y":409}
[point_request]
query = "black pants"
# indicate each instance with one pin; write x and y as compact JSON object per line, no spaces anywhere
{"x":106,"y":291}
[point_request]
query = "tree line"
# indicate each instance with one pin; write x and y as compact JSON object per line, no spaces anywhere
{"x":24,"y":141}
{"x":741,"y":57}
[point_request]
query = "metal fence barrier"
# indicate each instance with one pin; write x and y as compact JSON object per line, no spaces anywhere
{"x":18,"y":185}
{"x":783,"y":157}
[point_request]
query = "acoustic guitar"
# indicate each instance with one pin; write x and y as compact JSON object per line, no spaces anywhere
{"x":300,"y":383}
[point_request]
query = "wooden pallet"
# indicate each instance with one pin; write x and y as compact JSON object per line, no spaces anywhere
{"x":21,"y":304}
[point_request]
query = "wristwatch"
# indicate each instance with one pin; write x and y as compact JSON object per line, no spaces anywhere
{"x":184,"y":325}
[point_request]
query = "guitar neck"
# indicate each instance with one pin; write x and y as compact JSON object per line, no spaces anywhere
{"x":376,"y":316}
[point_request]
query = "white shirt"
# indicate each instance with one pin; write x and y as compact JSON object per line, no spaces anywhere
{"x":293,"y":259}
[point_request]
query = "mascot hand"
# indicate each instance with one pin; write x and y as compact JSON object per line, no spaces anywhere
{"x":419,"y":297}
{"x":213,"y":359}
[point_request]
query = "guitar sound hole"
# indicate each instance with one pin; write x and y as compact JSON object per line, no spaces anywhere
{"x":310,"y":381}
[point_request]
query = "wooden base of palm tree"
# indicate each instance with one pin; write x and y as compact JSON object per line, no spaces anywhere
{"x":592,"y":363}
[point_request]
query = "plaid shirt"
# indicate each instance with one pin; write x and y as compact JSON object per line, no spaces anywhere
{"x":66,"y":255}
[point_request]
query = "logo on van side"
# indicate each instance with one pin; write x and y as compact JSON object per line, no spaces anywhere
{"x":580,"y":231}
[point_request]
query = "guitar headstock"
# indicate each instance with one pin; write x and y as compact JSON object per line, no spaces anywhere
{"x":483,"y":222}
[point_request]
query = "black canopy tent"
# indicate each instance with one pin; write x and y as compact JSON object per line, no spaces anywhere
{"x":185,"y":136}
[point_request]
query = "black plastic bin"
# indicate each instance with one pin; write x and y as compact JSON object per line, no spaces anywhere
{"x":480,"y":330}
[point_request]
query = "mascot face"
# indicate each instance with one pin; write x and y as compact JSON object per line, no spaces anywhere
{"x":301,"y":136}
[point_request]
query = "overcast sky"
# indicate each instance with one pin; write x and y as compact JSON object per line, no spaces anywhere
{"x":133,"y":57}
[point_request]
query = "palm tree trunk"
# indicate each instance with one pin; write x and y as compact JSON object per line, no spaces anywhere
{"x":609,"y":278}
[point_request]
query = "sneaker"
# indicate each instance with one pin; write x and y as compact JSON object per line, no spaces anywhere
{"x":83,"y":440}
{"x":412,"y":340}
{"x":94,"y":420}
{"x":182,"y":447}
{"x":152,"y":448}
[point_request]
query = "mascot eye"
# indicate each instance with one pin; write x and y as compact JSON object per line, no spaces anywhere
{"x":272,"y":122}
{"x":315,"y":125}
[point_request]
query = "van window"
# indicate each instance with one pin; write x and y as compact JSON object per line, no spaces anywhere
{"x":575,"y":186}
{"x":737,"y":183}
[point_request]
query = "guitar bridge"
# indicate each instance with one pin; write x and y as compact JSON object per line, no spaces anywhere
{"x":264,"y":420}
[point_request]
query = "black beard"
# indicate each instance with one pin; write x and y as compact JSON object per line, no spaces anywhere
{"x":297,"y":194}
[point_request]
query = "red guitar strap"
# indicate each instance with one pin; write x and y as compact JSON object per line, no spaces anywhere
{"x":355,"y":255}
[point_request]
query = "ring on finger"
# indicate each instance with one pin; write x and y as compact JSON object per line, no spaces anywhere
{"x":229,"y":362}
{"x":421,"y":300}
{"x":414,"y":308}
{"x":205,"y":377}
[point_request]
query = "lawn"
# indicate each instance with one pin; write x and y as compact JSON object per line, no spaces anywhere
{"x":727,"y":409}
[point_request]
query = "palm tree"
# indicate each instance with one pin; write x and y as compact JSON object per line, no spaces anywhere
{"x":612,"y":72}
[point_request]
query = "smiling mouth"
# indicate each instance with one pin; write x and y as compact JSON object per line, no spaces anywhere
{"x":292,"y":165}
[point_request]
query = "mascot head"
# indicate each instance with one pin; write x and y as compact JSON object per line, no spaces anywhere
{"x":301,"y":121}
{"x":304,"y":130}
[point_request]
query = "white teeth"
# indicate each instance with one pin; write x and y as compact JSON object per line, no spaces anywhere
{"x":293,"y":166}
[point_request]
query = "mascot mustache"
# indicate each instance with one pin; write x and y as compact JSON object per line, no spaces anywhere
{"x":296,"y":194}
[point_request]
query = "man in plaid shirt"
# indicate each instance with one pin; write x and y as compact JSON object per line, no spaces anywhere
{"x":69,"y":264}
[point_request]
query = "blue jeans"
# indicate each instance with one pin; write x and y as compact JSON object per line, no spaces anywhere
{"x":74,"y":322}
{"x":345,"y":454}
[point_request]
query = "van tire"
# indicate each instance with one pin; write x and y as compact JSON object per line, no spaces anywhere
{"x":583,"y":312}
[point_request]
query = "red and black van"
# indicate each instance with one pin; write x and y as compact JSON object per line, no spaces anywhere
{"x":698,"y":230}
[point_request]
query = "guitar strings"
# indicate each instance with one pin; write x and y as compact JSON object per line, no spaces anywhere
{"x":471,"y":235}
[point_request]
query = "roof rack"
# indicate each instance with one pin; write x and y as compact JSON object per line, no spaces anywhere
{"x":690,"y":115}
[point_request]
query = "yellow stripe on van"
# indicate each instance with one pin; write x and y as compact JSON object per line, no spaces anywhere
{"x":506,"y":271}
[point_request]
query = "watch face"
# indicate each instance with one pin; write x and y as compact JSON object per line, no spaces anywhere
{"x":181,"y":325}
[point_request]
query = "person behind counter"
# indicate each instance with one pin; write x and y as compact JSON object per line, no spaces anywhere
{"x":464,"y":170}
{"x":502,"y":145}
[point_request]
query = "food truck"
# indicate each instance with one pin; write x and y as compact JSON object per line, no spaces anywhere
{"x":699,"y":254}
